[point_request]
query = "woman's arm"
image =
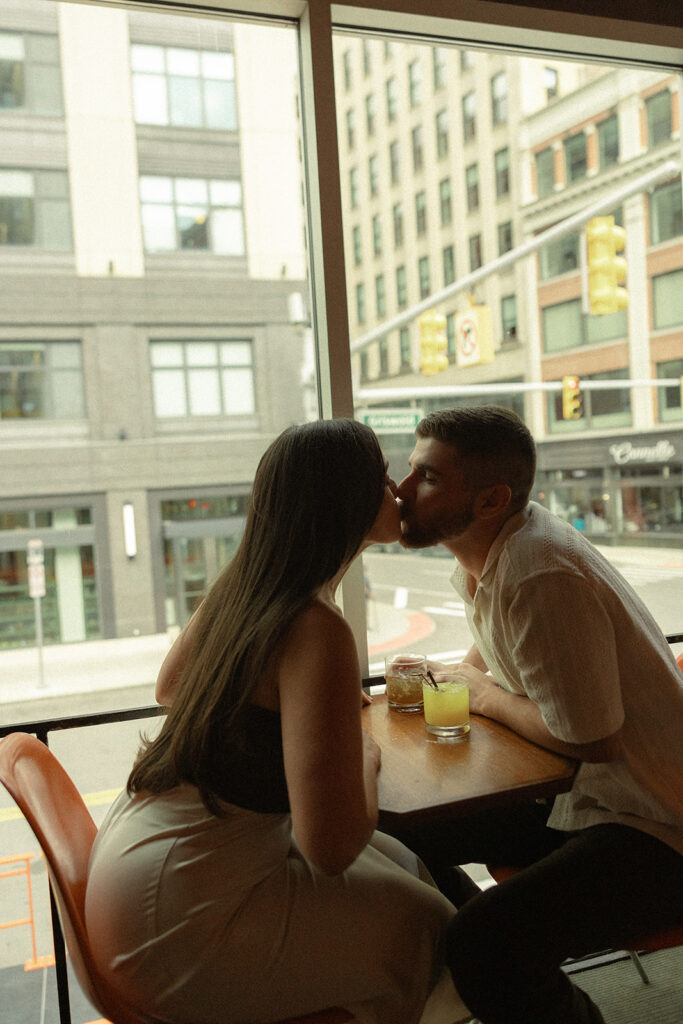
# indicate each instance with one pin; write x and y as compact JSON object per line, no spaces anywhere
{"x":174,"y":663}
{"x":330,"y":763}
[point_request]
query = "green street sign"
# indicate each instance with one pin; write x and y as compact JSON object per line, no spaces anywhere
{"x":392,"y":421}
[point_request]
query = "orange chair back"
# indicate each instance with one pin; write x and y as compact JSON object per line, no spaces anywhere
{"x":65,"y":831}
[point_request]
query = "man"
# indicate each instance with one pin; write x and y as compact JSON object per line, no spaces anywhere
{"x":568,"y":656}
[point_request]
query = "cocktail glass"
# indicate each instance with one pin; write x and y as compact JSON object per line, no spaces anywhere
{"x":404,"y":674}
{"x":447,"y":709}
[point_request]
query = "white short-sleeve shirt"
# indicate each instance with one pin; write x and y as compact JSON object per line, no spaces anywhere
{"x":554,"y":620}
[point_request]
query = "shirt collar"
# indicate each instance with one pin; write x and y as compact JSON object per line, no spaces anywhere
{"x":460,"y":577}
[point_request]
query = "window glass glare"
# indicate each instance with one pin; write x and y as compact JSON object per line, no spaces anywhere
{"x":155,"y":190}
{"x":147,"y":58}
{"x":182,"y":62}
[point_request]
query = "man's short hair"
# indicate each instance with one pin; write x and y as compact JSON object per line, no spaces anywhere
{"x":494,"y":442}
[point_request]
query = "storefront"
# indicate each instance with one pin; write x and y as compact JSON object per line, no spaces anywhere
{"x":628,"y":489}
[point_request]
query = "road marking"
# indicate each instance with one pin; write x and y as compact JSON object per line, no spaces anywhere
{"x":104,"y":796}
{"x":458,"y":612}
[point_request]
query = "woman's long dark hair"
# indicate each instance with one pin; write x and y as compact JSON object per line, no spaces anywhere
{"x":317,"y":491}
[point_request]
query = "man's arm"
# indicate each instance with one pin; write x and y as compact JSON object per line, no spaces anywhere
{"x":520,"y":714}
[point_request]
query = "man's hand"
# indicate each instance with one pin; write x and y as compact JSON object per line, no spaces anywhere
{"x":480,"y":684}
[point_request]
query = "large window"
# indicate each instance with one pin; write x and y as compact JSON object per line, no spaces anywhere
{"x":658,"y":110}
{"x":608,"y":141}
{"x":202,"y":378}
{"x":41,"y":380}
{"x":35,"y":209}
{"x":191,"y":213}
{"x":667,"y":299}
{"x":669,"y":403}
{"x":566,"y":327}
{"x":559,"y":257}
{"x":575,"y":155}
{"x":666,"y":212}
{"x":30,"y":76}
{"x":183,"y":87}
{"x":545,"y":172}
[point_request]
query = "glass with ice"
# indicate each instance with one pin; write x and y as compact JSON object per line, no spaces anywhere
{"x":404,"y":674}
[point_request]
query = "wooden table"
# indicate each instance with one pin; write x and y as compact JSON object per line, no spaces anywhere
{"x":424,"y":779}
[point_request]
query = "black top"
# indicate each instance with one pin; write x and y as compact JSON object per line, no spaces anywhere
{"x":251,"y":771}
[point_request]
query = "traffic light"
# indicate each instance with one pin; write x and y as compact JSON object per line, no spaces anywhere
{"x":605,"y":269}
{"x":433,"y":342}
{"x":572,"y":402}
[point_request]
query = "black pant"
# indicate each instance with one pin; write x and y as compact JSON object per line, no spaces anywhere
{"x":578,"y":893}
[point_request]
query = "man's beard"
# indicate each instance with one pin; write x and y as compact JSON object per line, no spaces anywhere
{"x":425,"y":535}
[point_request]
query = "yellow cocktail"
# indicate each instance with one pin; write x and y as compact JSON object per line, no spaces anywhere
{"x":447,"y":710}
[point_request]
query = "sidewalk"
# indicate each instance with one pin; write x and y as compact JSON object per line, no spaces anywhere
{"x":122,"y":664}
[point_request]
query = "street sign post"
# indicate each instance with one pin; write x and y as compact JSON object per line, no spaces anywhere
{"x":392,"y":421}
{"x":35,"y":565}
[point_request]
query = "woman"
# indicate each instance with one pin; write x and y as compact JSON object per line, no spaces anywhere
{"x":240,"y":877}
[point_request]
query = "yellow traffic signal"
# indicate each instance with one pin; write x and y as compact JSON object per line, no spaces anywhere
{"x":572,"y":401}
{"x":606,"y":270}
{"x":433,"y":342}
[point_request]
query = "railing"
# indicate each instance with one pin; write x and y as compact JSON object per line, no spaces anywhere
{"x":42,"y":730}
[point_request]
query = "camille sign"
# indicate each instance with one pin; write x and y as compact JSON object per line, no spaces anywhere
{"x":626,"y":452}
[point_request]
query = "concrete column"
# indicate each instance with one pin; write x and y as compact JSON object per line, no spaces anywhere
{"x":69,"y":582}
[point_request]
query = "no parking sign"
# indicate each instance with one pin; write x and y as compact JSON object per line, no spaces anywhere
{"x":474,"y":336}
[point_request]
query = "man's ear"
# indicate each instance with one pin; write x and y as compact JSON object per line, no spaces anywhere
{"x":492,"y":501}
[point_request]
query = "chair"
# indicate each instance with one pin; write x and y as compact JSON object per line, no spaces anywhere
{"x":65,"y":830}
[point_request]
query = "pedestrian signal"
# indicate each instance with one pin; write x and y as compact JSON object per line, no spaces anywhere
{"x":433,"y":342}
{"x":606,"y":270}
{"x":572,"y":400}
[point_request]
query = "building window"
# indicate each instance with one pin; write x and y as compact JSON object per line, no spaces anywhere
{"x":669,"y":399}
{"x":424,"y":277}
{"x":420,"y":213}
{"x":351,"y":128}
{"x":415,"y":83}
{"x":439,"y":67}
{"x":499,"y":98}
{"x":389,"y":49}
{"x":666,"y":212}
{"x":565,"y":327}
{"x":469,"y":116}
{"x":501,"y":165}
{"x":364,"y":373}
{"x":383,"y":352}
{"x":380,"y":296}
{"x":398,"y":224}
{"x":508,"y":318}
{"x":575,"y":157}
{"x":608,"y":141}
{"x":41,"y":380}
{"x":192,"y":214}
{"x":357,"y":246}
{"x":178,"y":86}
{"x":445,"y":202}
{"x":442,"y":134}
{"x":448,"y":257}
{"x":418,"y":148}
{"x":373,"y":175}
{"x":367,"y":57}
{"x":202,"y":378}
{"x":401,"y":287}
{"x":370,"y":113}
{"x":559,"y":257}
{"x":504,"y":237}
{"x":472,"y":187}
{"x":391,"y":88}
{"x":667,"y":300}
{"x":377,"y":235}
{"x":394,"y":163}
{"x":354,"y":187}
{"x":35,"y":209}
{"x":545,"y":172}
{"x":360,"y":303}
{"x":466,"y":60}
{"x":346,"y":66}
{"x":30,"y":75}
{"x":658,"y":113}
{"x":550,"y":83}
{"x":476,"y":258}
{"x":405,"y":348}
{"x":450,"y":337}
